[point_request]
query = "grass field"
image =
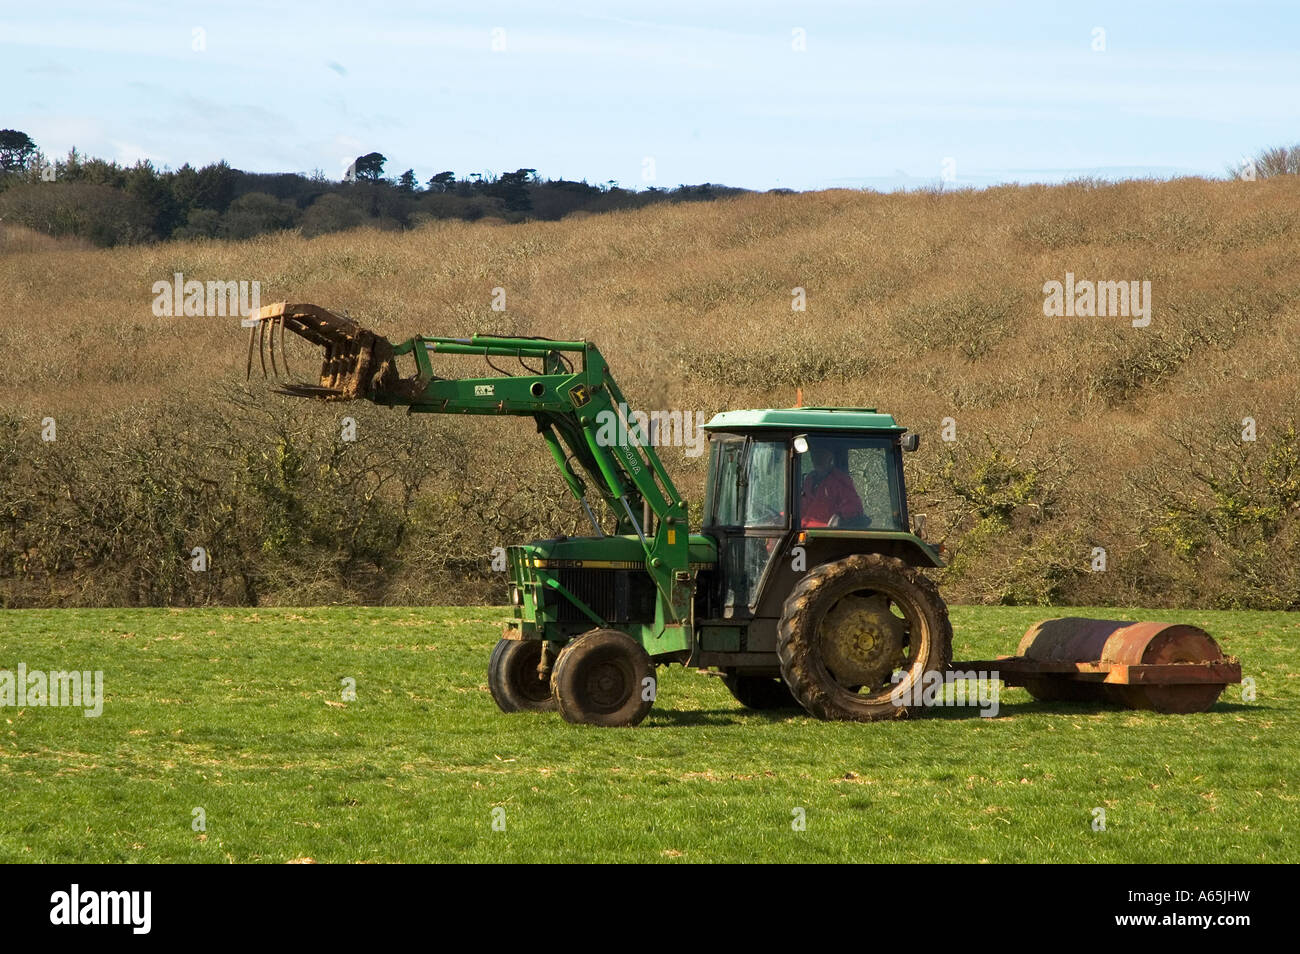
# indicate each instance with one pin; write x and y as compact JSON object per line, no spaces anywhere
{"x":238,"y":712}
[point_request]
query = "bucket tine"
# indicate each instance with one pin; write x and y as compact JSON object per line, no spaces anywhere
{"x":275,"y":370}
{"x":252,"y":335}
{"x":284,"y":351}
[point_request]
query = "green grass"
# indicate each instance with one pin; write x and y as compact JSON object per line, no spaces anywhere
{"x":237,"y":711}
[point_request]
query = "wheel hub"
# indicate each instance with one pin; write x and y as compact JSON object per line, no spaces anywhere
{"x":606,"y":686}
{"x":862,"y":640}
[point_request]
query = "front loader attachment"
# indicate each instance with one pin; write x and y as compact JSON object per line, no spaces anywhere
{"x":357,"y":364}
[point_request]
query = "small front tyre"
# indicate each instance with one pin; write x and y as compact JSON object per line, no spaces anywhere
{"x":513,"y":678}
{"x":604,"y":678}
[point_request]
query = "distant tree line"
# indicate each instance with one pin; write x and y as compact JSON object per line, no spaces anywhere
{"x":111,"y":204}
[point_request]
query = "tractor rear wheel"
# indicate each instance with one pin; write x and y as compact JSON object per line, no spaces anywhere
{"x":858,"y":636}
{"x":604,"y":678}
{"x":513,"y":678}
{"x":760,"y":692}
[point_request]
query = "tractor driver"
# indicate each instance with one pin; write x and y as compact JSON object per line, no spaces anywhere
{"x":828,"y":497}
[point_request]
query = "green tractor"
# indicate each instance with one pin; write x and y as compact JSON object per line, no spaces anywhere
{"x":803,"y":587}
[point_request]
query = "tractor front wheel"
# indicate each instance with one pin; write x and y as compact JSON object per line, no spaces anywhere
{"x":514,"y":680}
{"x":604,"y":678}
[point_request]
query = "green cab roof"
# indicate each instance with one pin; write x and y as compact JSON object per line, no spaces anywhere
{"x":805,"y":418}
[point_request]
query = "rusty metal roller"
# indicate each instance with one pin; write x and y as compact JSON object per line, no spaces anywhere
{"x":1167,"y":667}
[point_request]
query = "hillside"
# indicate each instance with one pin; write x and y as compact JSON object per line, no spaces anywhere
{"x":1072,"y":432}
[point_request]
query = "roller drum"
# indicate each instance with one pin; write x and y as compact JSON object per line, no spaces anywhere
{"x":1116,"y":642}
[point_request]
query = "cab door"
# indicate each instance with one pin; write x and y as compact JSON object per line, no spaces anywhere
{"x":749,"y":515}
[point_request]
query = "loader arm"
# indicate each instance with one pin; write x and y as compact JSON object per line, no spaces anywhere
{"x":565,"y":387}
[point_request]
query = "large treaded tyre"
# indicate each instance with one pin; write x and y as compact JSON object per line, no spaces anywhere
{"x":922,"y":614}
{"x":600,"y":679}
{"x":513,"y":680}
{"x":760,"y":692}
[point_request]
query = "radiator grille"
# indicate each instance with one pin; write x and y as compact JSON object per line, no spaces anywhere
{"x":614,"y":595}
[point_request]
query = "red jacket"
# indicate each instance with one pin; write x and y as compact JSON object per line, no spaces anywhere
{"x":833,"y":494}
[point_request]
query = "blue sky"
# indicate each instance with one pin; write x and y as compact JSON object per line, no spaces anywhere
{"x":881,"y":95}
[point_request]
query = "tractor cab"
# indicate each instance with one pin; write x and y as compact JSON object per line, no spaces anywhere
{"x":792,"y":488}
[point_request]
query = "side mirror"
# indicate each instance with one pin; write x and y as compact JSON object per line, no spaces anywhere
{"x":909,"y":442}
{"x":800,"y":444}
